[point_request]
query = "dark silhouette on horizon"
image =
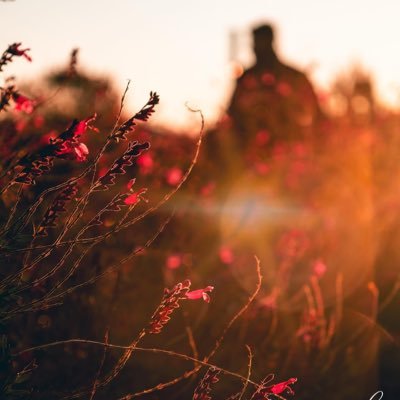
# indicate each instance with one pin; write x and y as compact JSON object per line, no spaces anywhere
{"x":272,"y":96}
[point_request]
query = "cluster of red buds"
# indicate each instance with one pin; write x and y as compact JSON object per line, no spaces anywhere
{"x":118,"y":168}
{"x":142,"y":115}
{"x":56,"y":207}
{"x":66,"y":146}
{"x":203,"y":389}
{"x":12,"y":51}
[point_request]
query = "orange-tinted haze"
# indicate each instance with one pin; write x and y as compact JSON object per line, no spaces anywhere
{"x":181,"y":48}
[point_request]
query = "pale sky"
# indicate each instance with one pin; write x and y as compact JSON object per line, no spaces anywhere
{"x":179,"y":48}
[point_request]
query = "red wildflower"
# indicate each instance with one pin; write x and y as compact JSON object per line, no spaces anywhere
{"x":145,"y":162}
{"x":12,"y":51}
{"x":16,"y":51}
{"x":83,"y":125}
{"x":200,"y":294}
{"x":281,"y":387}
{"x":22,"y":103}
{"x":38,"y":121}
{"x":226,"y":255}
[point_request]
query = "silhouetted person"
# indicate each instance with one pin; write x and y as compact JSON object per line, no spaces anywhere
{"x":272,"y":97}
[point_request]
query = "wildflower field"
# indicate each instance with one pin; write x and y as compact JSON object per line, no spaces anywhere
{"x":136,"y":262}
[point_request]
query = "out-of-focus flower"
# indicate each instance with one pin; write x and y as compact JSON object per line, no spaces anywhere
{"x":262,"y":137}
{"x":261,"y":168}
{"x":319,"y":268}
{"x":250,"y":82}
{"x":293,"y":244}
{"x":12,"y":51}
{"x":270,"y":301}
{"x":279,"y":152}
{"x":145,"y":162}
{"x":15,"y":50}
{"x":284,"y":89}
{"x":174,"y":176}
{"x":226,"y":255}
{"x":208,"y":189}
{"x":38,"y":121}
{"x":200,"y":294}
{"x":174,"y":261}
{"x":48,"y":137}
{"x":22,"y":103}
{"x":268,"y":79}
{"x":20,"y":125}
{"x":102,"y":171}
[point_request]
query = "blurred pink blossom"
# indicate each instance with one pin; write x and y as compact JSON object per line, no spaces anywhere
{"x":174,"y":261}
{"x":319,"y":268}
{"x":226,"y":255}
{"x":174,"y":176}
{"x":24,"y":104}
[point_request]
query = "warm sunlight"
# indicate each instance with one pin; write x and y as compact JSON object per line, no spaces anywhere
{"x":185,"y":48}
{"x":199,"y":200}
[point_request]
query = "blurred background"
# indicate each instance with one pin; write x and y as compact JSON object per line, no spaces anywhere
{"x":188,"y":51}
{"x":299,"y":165}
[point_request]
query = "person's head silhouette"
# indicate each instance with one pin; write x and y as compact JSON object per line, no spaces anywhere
{"x":263,"y":37}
